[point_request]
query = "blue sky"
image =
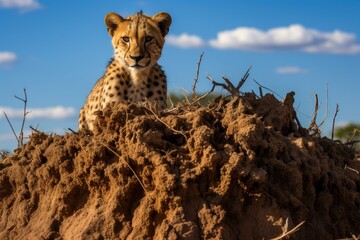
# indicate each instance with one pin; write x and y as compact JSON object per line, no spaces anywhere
{"x":58,"y":49}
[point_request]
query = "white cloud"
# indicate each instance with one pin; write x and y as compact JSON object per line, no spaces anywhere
{"x":290,"y":70}
{"x":294,"y":37}
{"x":7,"y":58}
{"x":57,"y":112}
{"x":11,"y":137}
{"x":185,"y":40}
{"x":24,"y":5}
{"x":335,"y":42}
{"x":6,"y":137}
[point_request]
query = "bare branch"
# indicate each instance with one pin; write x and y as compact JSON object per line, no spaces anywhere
{"x":20,"y":138}
{"x":261,"y":92}
{"x":313,"y":126}
{"x":200,"y":98}
{"x":217,"y":84}
{"x":34,"y":129}
{"x":197,"y":75}
{"x":21,"y":134}
{"x":243,"y":79}
{"x":333,"y":122}
{"x":232,"y":89}
{"x":286,"y":233}
{"x":12,"y":128}
{"x":353,"y":237}
{"x":267,"y":89}
{"x":71,"y":130}
{"x":352,"y":169}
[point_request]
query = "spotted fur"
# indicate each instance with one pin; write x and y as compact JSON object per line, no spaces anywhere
{"x":133,"y":75}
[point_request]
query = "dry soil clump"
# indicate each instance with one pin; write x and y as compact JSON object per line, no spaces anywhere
{"x":237,"y":169}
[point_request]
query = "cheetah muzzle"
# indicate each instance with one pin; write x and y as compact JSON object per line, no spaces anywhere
{"x":133,"y":75}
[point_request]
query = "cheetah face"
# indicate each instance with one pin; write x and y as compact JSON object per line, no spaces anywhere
{"x":138,"y":40}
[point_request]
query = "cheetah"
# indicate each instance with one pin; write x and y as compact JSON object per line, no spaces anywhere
{"x":133,"y":75}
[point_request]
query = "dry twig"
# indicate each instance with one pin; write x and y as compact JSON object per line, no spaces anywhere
{"x":234,"y":91}
{"x":353,"y":237}
{"x":243,"y":79}
{"x":34,"y":129}
{"x":313,"y":126}
{"x":261,"y":86}
{"x":286,"y":232}
{"x":261,"y":92}
{"x":197,"y":75}
{"x":351,"y":169}
{"x":12,"y":128}
{"x":333,"y":122}
{"x":20,"y":137}
{"x":71,"y":130}
{"x":21,"y":134}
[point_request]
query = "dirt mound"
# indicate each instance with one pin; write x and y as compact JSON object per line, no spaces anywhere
{"x":238,"y":169}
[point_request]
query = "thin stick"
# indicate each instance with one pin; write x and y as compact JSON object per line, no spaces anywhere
{"x":12,"y":128}
{"x":267,"y":89}
{"x":353,"y":237}
{"x":172,"y":108}
{"x":34,"y":129}
{"x":233,"y":90}
{"x":200,"y":98}
{"x":333,"y":122}
{"x":71,"y":130}
{"x":132,"y":170}
{"x":20,"y":138}
{"x":313,"y":121}
{"x":197,"y":75}
{"x":217,"y":84}
{"x":260,"y":90}
{"x":21,"y":134}
{"x":243,"y":79}
{"x":352,"y":169}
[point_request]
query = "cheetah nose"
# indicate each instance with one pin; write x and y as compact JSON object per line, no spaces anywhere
{"x":137,"y":58}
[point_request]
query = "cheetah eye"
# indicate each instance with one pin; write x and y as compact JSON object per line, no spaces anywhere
{"x":148,"y":39}
{"x":125,"y":39}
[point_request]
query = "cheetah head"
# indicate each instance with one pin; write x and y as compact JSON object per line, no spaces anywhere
{"x":138,"y":40}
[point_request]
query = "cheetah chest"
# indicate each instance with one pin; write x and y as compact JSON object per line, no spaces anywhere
{"x":122,"y":86}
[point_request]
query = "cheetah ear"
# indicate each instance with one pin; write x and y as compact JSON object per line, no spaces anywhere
{"x":112,"y":20}
{"x":164,"y":21}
